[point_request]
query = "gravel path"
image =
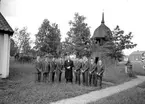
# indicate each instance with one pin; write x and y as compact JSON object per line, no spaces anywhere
{"x":96,"y":95}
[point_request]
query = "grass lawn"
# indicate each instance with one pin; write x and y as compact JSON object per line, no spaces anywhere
{"x":116,"y":74}
{"x":134,"y":95}
{"x":21,"y":88}
{"x":138,"y":67}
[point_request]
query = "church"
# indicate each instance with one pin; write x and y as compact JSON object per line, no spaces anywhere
{"x":5,"y":32}
{"x":101,"y":35}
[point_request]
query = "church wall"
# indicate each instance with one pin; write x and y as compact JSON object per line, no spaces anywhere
{"x":1,"y":51}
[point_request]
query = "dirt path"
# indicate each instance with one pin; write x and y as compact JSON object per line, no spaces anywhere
{"x":96,"y":95}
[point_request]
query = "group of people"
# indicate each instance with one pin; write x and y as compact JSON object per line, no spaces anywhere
{"x":86,"y":71}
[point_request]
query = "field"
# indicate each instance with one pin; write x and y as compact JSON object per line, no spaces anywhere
{"x":134,"y":95}
{"x":21,"y":88}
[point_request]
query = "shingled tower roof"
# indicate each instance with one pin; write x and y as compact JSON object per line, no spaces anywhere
{"x":4,"y":26}
{"x":102,"y":31}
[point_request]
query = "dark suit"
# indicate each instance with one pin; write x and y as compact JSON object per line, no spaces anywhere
{"x":99,"y":74}
{"x":46,"y":70}
{"x":68,"y":65}
{"x":92,"y":68}
{"x":78,"y":66}
{"x":59,"y":70}
{"x":38,"y":67}
{"x":53,"y":70}
{"x":85,"y":73}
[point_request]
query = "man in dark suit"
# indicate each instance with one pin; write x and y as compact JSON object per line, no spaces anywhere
{"x":46,"y":69}
{"x":77,"y":70}
{"x":85,"y":72}
{"x":53,"y":69}
{"x":59,"y":69}
{"x":92,"y":69}
{"x":100,"y":71}
{"x":39,"y":67}
{"x":68,"y":65}
{"x":82,"y":72}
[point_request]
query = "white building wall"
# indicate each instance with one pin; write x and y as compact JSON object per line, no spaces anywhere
{"x":5,"y":56}
{"x":8,"y":65}
{"x":1,"y":51}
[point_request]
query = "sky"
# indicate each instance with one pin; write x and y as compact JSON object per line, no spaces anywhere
{"x":128,"y":14}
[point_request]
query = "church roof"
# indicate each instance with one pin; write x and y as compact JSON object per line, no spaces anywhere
{"x":102,"y":31}
{"x":4,"y":26}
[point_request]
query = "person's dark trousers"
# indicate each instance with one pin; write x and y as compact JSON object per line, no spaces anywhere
{"x":99,"y":78}
{"x":78,"y":78}
{"x":83,"y":75}
{"x":53,"y":75}
{"x":90,"y":79}
{"x":71,"y":80}
{"x":86,"y":79}
{"x":38,"y":77}
{"x":60,"y":76}
{"x":46,"y":75}
{"x":67,"y":80}
{"x":94,"y":80}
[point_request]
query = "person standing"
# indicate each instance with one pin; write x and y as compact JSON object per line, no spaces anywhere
{"x":46,"y":69}
{"x":100,"y":72}
{"x":59,"y":69}
{"x":53,"y":69}
{"x":85,"y":72}
{"x":77,"y":70}
{"x":68,"y":65}
{"x":38,"y":66}
{"x":92,"y":68}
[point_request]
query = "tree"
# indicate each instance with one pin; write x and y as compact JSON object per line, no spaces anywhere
{"x":79,"y":36}
{"x":22,"y":39}
{"x":13,"y":47}
{"x":33,"y":52}
{"x":48,"y":38}
{"x":67,"y":47}
{"x":118,"y":43}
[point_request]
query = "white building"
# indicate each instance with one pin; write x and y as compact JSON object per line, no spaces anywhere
{"x":136,"y":56}
{"x":5,"y":33}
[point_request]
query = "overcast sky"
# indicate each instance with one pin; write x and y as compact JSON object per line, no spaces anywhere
{"x":128,"y":14}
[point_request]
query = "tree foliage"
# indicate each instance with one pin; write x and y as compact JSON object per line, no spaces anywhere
{"x":22,"y":39}
{"x":123,"y":41}
{"x":67,"y":47}
{"x":13,"y":47}
{"x":48,"y":38}
{"x":78,"y":36}
{"x":118,"y":43}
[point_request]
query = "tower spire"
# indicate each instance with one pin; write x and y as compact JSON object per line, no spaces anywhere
{"x":103,"y":18}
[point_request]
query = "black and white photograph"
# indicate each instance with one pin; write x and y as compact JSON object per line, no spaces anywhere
{"x":72,"y":52}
